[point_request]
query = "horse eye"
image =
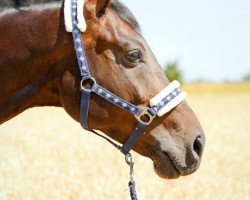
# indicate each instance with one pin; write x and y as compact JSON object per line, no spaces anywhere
{"x":134,"y":55}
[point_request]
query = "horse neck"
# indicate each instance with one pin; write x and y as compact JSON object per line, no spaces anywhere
{"x":34,"y":50}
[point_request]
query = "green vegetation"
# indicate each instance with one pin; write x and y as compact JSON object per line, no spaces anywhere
{"x":246,"y":77}
{"x":173,"y":72}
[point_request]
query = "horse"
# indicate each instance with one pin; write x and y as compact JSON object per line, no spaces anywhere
{"x":38,"y":67}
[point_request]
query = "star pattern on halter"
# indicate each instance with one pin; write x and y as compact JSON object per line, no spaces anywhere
{"x":116,"y":100}
{"x":130,"y":107}
{"x":167,"y":99}
{"x":78,"y":42}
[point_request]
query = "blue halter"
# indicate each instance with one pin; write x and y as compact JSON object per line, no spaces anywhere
{"x":107,"y":95}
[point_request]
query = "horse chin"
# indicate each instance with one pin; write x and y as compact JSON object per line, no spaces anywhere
{"x":164,"y":165}
{"x":166,"y":170}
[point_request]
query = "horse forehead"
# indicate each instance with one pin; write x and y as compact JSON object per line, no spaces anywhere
{"x":114,"y":30}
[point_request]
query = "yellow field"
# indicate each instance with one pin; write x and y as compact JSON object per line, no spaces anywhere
{"x":45,"y":155}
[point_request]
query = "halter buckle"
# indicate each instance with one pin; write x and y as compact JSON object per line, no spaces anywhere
{"x":145,"y":116}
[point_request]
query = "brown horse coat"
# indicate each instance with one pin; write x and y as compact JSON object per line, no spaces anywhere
{"x":38,"y":67}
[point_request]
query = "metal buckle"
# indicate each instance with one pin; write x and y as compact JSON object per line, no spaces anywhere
{"x":85,"y":81}
{"x":147,"y":115}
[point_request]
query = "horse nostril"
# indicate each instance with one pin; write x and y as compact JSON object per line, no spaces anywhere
{"x":197,"y":146}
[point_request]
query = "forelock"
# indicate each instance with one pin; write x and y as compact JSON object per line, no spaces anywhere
{"x":125,"y":14}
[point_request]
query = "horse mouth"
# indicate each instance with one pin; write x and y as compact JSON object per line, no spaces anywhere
{"x":168,"y":168}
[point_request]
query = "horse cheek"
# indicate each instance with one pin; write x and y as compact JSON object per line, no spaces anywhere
{"x":70,"y":95}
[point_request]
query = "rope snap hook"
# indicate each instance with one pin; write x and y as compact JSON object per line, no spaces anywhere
{"x":131,"y":184}
{"x":129,"y":161}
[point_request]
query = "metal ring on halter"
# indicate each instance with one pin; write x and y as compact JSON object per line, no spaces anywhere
{"x":147,"y":115}
{"x":92,"y":82}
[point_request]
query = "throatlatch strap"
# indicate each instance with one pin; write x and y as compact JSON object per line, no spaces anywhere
{"x":139,"y":129}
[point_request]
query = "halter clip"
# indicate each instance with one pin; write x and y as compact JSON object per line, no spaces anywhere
{"x":129,"y":161}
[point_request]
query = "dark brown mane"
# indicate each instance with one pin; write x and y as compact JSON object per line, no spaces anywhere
{"x":121,"y":10}
{"x":17,"y":4}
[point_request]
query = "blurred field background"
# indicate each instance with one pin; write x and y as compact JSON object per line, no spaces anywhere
{"x":46,"y":155}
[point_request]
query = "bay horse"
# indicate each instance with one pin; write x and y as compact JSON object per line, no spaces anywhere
{"x":38,"y":67}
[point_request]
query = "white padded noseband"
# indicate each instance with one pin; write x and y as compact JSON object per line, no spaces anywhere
{"x":169,"y":90}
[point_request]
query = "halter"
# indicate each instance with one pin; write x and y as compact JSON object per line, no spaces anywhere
{"x":166,"y":100}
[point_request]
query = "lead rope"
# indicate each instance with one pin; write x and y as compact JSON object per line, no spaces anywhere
{"x":129,"y":161}
{"x":131,"y":184}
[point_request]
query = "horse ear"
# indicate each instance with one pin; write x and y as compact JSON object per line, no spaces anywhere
{"x":95,"y":7}
{"x":101,"y":5}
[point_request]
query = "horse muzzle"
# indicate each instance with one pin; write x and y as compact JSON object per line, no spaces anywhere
{"x":171,"y":160}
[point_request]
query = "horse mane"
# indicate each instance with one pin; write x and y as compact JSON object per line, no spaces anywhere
{"x":121,"y":10}
{"x":18,"y":4}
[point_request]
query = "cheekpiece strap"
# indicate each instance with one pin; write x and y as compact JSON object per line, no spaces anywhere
{"x":78,"y":42}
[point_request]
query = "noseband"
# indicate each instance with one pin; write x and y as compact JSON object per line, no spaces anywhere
{"x":162,"y":103}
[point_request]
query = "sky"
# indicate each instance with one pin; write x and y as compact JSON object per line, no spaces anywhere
{"x":209,"y":39}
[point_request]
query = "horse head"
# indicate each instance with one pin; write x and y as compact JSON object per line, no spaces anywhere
{"x":121,"y":61}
